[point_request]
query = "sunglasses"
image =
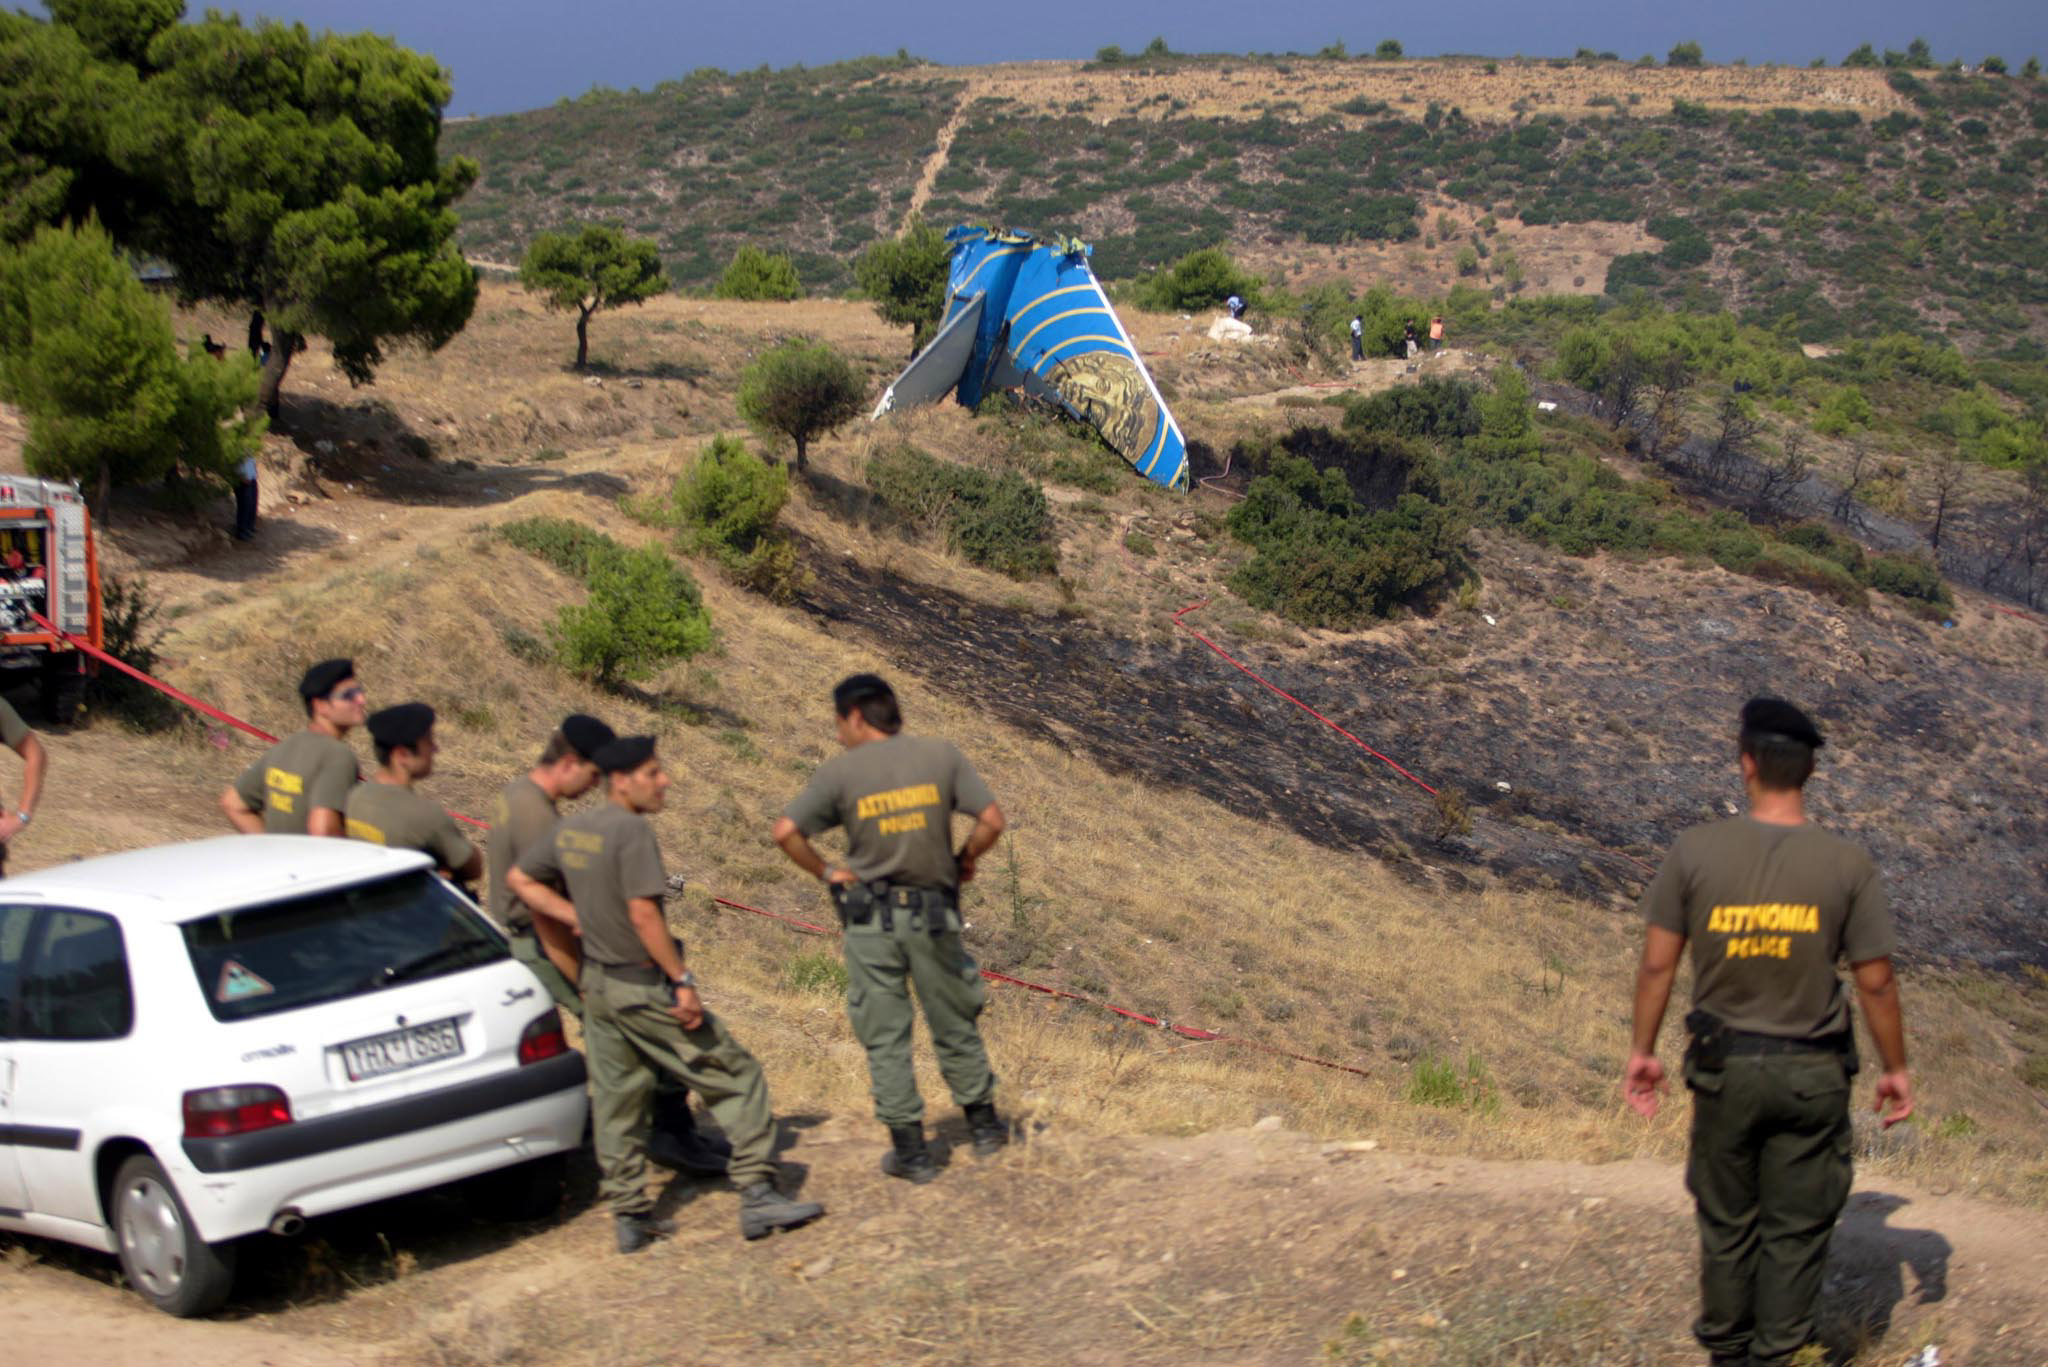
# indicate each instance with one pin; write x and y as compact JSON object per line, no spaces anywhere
{"x":355,"y":694}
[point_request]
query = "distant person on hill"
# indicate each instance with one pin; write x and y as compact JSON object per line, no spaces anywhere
{"x":523,"y":818}
{"x":35,"y":762}
{"x":245,"y":499}
{"x":300,"y":785}
{"x":641,"y":1012}
{"x":1236,"y":307}
{"x":217,"y":350}
{"x":1769,"y":903}
{"x":898,"y":895}
{"x":1357,"y":337}
{"x":1411,"y":342}
{"x":1436,"y":334}
{"x":388,"y":811}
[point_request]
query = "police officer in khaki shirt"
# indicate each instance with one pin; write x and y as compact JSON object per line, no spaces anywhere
{"x":387,"y":810}
{"x":641,"y":1011}
{"x":300,"y":786}
{"x":899,"y":900}
{"x":523,"y":818}
{"x":35,"y":761}
{"x":1768,"y":903}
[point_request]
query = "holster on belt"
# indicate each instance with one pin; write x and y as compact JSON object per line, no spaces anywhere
{"x":1709,"y":1047}
{"x":857,"y":903}
{"x":862,"y":904}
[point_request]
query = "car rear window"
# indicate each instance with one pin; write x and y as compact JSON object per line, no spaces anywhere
{"x":256,"y":961}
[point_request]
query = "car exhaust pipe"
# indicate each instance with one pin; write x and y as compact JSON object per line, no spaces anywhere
{"x":287,"y":1223}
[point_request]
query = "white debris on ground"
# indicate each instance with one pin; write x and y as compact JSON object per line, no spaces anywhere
{"x":1230,"y":330}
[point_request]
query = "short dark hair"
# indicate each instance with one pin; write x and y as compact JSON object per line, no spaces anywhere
{"x":1781,"y":739}
{"x":557,"y":746}
{"x":871,"y":696}
{"x":1782,"y":763}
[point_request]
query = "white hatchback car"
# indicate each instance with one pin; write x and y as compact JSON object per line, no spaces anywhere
{"x":204,"y":1041}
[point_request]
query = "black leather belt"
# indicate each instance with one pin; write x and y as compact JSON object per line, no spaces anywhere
{"x":1743,"y":1042}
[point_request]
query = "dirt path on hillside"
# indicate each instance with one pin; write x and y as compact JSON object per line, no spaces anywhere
{"x":1241,"y":1247}
{"x":936,"y":162}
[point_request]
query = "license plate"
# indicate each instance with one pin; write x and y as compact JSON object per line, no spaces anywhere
{"x":401,"y":1049}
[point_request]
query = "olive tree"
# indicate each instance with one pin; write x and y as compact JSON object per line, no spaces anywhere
{"x":592,"y":269}
{"x":801,"y":390}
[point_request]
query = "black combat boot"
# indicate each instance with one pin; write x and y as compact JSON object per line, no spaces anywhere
{"x":986,"y":1128}
{"x":637,"y":1231}
{"x":909,"y":1159}
{"x":763,"y":1210}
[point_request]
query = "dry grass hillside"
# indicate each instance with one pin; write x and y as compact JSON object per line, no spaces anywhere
{"x":1505,"y":1208}
{"x":1514,"y":88}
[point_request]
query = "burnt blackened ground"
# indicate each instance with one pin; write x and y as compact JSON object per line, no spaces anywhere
{"x":1585,"y":728}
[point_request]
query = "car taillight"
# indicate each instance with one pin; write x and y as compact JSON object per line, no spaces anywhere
{"x":542,"y":1038}
{"x":214,"y":1112}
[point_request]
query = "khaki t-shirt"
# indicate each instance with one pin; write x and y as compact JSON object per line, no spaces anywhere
{"x":600,"y":859}
{"x":392,"y":814}
{"x":1769,"y":910}
{"x":522,"y":817}
{"x":13,"y":730}
{"x":896,"y":799}
{"x":296,"y":775}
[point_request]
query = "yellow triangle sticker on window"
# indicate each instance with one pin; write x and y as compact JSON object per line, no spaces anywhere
{"x":237,"y":982}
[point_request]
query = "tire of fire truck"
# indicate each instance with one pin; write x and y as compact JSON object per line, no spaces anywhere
{"x":63,"y":688}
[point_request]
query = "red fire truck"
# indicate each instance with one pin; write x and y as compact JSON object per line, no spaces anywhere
{"x":48,"y":567}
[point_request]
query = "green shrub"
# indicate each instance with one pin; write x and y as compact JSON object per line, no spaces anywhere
{"x":569,"y":546}
{"x":1000,"y":521}
{"x":644,"y":611}
{"x":758,"y":275}
{"x":815,"y":971}
{"x":1843,"y":411}
{"x":1137,"y":543}
{"x":1440,"y":1082}
{"x":1824,"y":541}
{"x":1323,"y":559}
{"x":133,"y":626}
{"x":727,"y":501}
{"x":88,"y":355}
{"x":1909,"y":576}
{"x":1434,"y":408}
{"x":1200,"y":280}
{"x":1800,"y":568}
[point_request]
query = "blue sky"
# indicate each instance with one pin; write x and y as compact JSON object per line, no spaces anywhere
{"x":516,"y":54}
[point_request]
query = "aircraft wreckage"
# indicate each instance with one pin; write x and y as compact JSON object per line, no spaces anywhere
{"x":1030,"y":315}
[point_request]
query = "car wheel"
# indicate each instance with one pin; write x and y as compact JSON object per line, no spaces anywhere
{"x":521,"y":1193}
{"x":161,"y":1252}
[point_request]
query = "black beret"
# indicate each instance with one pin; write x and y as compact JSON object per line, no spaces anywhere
{"x":624,"y":753}
{"x":586,"y":735}
{"x":1774,"y":716}
{"x":405,"y":724}
{"x":320,"y":680}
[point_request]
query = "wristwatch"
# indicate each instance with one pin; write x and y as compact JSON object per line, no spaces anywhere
{"x":688,"y":980}
{"x":22,"y":817}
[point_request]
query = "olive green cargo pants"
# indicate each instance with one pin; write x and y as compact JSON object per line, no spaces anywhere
{"x":1769,"y":1171}
{"x":671,"y":1098}
{"x":630,"y":1039}
{"x":881,"y":968}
